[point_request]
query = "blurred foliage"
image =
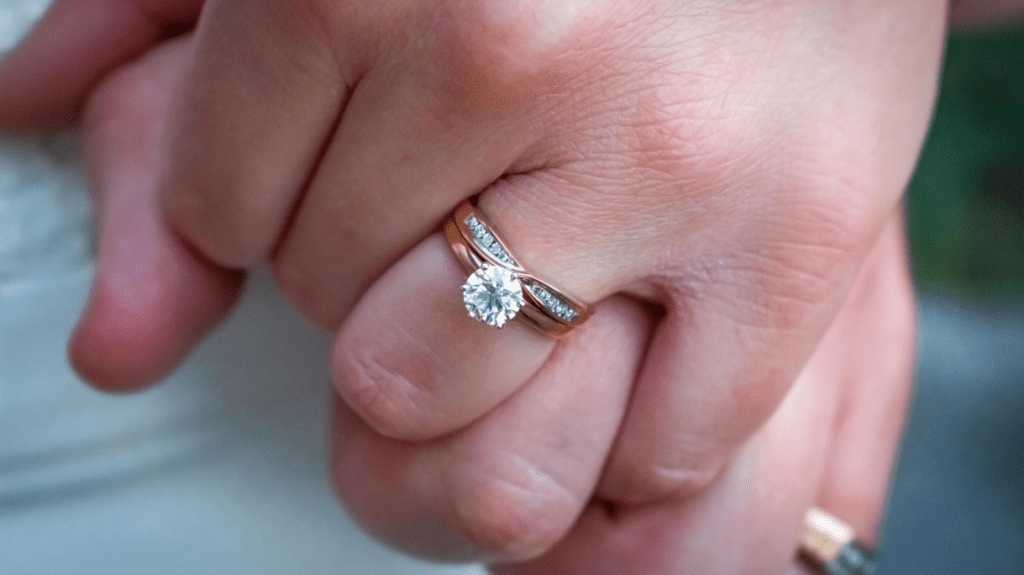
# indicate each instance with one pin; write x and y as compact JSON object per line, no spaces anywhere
{"x":966,"y":200}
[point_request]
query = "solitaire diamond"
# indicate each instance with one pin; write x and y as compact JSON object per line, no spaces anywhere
{"x":493,"y":295}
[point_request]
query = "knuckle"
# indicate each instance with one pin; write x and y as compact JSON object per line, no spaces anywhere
{"x":325,"y":39}
{"x":497,"y":29}
{"x":315,"y":20}
{"x":514,"y":516}
{"x":193,"y":209}
{"x":640,"y":477}
{"x":386,"y":399}
{"x":810,"y":256}
{"x":650,"y":483}
{"x":498,"y":53}
{"x":779,"y":286}
{"x":113,"y":100}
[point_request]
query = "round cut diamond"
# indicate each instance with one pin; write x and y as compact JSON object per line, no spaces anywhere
{"x":493,"y":295}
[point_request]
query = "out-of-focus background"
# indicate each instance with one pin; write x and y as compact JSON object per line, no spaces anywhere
{"x":966,"y":201}
{"x":957,"y":504}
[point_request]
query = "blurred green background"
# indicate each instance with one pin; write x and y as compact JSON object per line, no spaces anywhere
{"x":957,"y":506}
{"x":966,"y":200}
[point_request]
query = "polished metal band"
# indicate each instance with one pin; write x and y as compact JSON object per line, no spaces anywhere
{"x":829,"y":544}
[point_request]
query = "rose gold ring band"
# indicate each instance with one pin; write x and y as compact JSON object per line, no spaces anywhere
{"x":477,"y":245}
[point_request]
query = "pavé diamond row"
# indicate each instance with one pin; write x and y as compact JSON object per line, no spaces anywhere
{"x":552,"y":303}
{"x":487,"y":241}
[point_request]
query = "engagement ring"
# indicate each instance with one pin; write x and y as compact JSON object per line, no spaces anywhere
{"x":499,"y":288}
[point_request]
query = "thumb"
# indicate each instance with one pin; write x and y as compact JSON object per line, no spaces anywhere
{"x":153,"y":297}
{"x":45,"y":79}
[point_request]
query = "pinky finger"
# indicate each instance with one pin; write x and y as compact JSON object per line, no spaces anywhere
{"x":857,"y":473}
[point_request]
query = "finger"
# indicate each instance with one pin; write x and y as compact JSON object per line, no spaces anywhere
{"x":833,"y":437}
{"x":152,"y":297}
{"x":413,"y":365}
{"x":510,"y":484}
{"x":258,"y":104}
{"x":746,"y":522}
{"x":876,"y":391}
{"x":45,"y":80}
{"x":430,"y":125}
{"x":725,"y":356}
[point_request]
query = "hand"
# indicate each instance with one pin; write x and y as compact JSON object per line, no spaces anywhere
{"x":685,"y":159}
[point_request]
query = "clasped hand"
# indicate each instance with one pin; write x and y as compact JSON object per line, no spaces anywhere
{"x":721,"y":178}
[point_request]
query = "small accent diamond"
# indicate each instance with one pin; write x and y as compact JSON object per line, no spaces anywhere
{"x":487,"y":241}
{"x":553,"y":304}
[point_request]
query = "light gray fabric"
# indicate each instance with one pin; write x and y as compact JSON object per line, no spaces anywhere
{"x":221,"y":470}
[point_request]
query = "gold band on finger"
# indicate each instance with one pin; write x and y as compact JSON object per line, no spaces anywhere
{"x":830,"y":545}
{"x":498,"y":287}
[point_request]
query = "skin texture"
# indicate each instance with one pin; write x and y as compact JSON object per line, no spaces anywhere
{"x":723,"y":178}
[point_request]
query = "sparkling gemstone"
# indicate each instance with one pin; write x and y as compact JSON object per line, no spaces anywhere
{"x":493,"y":295}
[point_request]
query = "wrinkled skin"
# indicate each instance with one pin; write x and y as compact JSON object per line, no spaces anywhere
{"x":722,"y":177}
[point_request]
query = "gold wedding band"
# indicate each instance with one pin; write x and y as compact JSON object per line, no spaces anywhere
{"x":831,"y":545}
